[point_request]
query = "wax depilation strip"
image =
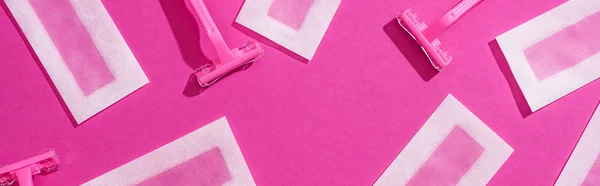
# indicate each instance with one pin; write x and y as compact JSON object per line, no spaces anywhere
{"x":209,"y":155}
{"x":207,"y":169}
{"x":450,"y":161}
{"x":290,"y":12}
{"x":297,"y":25}
{"x":74,"y":44}
{"x":583,"y":166}
{"x":82,"y":51}
{"x":566,"y":48}
{"x":593,"y":177}
{"x":453,"y":147}
{"x":555,"y":53}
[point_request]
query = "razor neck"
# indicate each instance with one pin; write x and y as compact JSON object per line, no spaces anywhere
{"x":217,"y":40}
{"x":437,"y":28}
{"x":24,"y":176}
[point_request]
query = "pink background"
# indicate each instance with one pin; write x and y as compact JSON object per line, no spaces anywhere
{"x":337,"y":120}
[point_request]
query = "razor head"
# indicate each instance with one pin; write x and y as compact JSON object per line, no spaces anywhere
{"x":210,"y":73}
{"x":410,"y":21}
{"x":48,"y":165}
{"x":44,"y":163}
{"x":7,"y":179}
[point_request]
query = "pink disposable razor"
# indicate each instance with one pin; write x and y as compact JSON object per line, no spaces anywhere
{"x":23,"y":171}
{"x":426,"y":36}
{"x":228,"y":59}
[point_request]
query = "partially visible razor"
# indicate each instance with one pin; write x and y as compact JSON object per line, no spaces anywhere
{"x":426,"y":36}
{"x":23,"y":171}
{"x":228,"y":60}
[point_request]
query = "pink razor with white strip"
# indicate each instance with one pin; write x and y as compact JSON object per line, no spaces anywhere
{"x":228,"y":60}
{"x":23,"y":171}
{"x":426,"y":36}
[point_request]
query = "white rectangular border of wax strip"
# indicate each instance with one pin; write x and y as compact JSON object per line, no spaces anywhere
{"x":513,"y":43}
{"x":449,"y":114}
{"x":585,"y":154}
{"x":304,"y":42}
{"x":128,"y":74}
{"x":216,"y":134}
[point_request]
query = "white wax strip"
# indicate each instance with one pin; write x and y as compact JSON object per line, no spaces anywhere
{"x":298,"y":25}
{"x":583,"y":167}
{"x":82,"y":51}
{"x":204,"y":141}
{"x":453,"y":147}
{"x":555,"y":53}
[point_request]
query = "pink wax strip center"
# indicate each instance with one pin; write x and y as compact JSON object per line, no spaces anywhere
{"x":74,"y":44}
{"x":290,"y":12}
{"x":593,"y":177}
{"x":208,"y":169}
{"x":566,"y":48}
{"x":450,"y":161}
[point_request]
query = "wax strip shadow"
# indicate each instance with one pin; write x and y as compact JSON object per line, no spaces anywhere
{"x":268,"y":42}
{"x":510,"y":79}
{"x":411,"y":50}
{"x":186,"y":30}
{"x":40,"y":65}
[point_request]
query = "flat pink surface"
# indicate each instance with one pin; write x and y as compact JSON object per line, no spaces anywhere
{"x":450,"y":161}
{"x":338,"y":120}
{"x":566,"y":48}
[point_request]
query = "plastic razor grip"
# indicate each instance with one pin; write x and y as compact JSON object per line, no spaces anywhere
{"x":230,"y":66}
{"x":449,"y":18}
{"x":462,"y":8}
{"x":24,"y":177}
{"x":211,"y":28}
{"x":431,"y":51}
{"x":204,"y":16}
